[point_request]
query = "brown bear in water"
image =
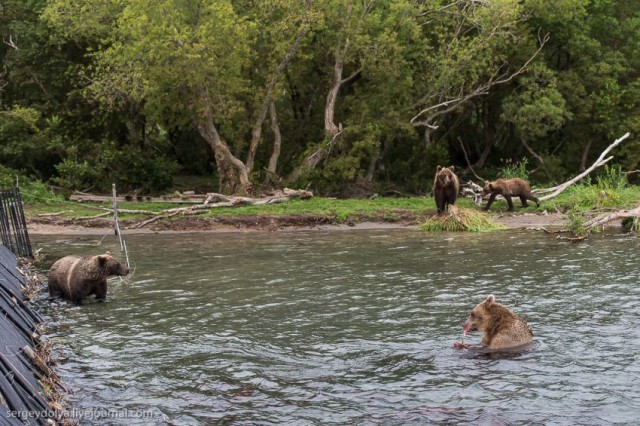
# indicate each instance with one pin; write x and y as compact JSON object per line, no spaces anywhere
{"x":445,"y":187}
{"x":75,"y":277}
{"x":502,"y":328}
{"x":508,"y":188}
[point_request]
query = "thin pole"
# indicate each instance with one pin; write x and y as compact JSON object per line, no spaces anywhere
{"x":116,"y":224}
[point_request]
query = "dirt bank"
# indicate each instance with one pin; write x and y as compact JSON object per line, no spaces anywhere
{"x":262,"y":223}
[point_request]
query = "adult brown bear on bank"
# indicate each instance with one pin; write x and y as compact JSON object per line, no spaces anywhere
{"x":508,"y":188}
{"x":502,"y":328}
{"x":446,"y":187}
{"x":76,"y":277}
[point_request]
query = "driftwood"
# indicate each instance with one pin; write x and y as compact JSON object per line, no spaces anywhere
{"x":472,"y":190}
{"x":42,"y":364}
{"x":214,"y":200}
{"x":600,"y":221}
{"x":556,"y":190}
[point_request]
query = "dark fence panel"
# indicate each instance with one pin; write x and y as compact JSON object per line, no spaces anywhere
{"x":20,"y":390}
{"x":13,"y":225}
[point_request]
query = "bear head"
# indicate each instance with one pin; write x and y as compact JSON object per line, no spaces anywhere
{"x":445,"y":175}
{"x":482,"y":316}
{"x":487,"y":188}
{"x":109,"y":265}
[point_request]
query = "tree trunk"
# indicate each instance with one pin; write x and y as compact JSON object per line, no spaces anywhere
{"x":233,"y":175}
{"x":257,"y":126}
{"x":277,"y":143}
{"x":585,"y":155}
{"x":372,"y":163}
{"x":256,"y":132}
{"x":330,"y":126}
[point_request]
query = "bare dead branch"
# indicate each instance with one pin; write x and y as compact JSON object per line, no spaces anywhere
{"x":599,"y":162}
{"x":10,"y":43}
{"x":451,"y":104}
{"x":466,"y":157}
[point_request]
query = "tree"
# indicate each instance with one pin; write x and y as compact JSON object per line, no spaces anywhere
{"x":361,"y":47}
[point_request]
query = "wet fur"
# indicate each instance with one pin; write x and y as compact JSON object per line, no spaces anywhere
{"x":76,"y":277}
{"x":502,"y":328}
{"x":508,"y":188}
{"x":446,"y":187}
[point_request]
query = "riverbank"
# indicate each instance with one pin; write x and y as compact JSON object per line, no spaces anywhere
{"x":269,"y":223}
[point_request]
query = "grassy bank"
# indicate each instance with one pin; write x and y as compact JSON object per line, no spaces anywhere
{"x":339,"y":209}
{"x":580,"y":202}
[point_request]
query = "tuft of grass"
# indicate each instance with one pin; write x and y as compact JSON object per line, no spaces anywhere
{"x":576,"y":224}
{"x":514,"y":170}
{"x":610,"y":191}
{"x":631,"y":224}
{"x":456,"y":220}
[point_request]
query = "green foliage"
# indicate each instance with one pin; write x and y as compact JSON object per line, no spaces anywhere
{"x":129,"y":167}
{"x":98,"y":91}
{"x":32,"y":191}
{"x":75,"y":175}
{"x":512,"y":170}
{"x":538,"y":108}
{"x":610,"y":191}
{"x":134,"y":169}
{"x":576,"y":224}
{"x":415,"y":166}
{"x":631,"y":224}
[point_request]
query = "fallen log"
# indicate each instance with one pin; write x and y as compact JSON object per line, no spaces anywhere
{"x":603,"y":219}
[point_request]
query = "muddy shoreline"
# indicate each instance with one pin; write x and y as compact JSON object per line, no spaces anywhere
{"x":101,"y":226}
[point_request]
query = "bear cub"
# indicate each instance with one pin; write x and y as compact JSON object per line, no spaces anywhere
{"x":502,"y":328}
{"x":77,"y":277}
{"x":508,"y":188}
{"x":446,"y":187}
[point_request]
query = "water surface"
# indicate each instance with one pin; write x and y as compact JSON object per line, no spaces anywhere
{"x":352,"y":327}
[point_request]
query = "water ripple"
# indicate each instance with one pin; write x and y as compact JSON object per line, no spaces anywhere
{"x":355,"y":328}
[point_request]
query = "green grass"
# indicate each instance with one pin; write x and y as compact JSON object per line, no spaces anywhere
{"x":341,"y":210}
{"x":458,"y":220}
{"x":580,"y":201}
{"x":611,"y":191}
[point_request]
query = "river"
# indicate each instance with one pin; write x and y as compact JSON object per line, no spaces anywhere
{"x":350,"y":327}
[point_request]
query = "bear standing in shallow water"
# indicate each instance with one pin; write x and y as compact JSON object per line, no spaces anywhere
{"x":446,"y":186}
{"x":502,"y":328}
{"x":75,"y":277}
{"x":508,"y":188}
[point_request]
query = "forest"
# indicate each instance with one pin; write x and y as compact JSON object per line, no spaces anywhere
{"x":343,"y":97}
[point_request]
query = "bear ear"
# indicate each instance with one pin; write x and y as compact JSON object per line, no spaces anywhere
{"x":438,"y":168}
{"x":452,"y":168}
{"x":490,"y":300}
{"x":102,"y":259}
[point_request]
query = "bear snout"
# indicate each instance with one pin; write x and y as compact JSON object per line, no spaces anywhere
{"x":469,"y":327}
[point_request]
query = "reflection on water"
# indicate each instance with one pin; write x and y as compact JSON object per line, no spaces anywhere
{"x":353,"y":327}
